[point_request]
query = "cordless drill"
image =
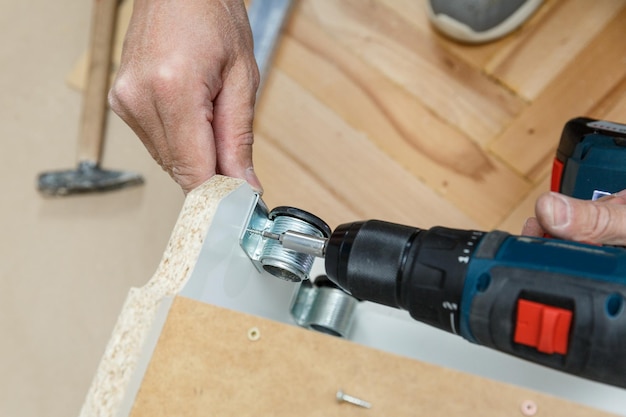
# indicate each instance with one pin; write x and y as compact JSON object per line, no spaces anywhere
{"x":556,"y":303}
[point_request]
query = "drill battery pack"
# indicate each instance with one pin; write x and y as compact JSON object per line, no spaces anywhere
{"x":591,"y":159}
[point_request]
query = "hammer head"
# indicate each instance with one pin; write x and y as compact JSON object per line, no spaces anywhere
{"x":88,"y":177}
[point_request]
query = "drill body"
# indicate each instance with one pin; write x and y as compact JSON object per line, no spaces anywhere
{"x":555,"y":303}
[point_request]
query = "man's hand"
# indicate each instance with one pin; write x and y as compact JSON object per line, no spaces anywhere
{"x":187,"y":86}
{"x":602,"y":221}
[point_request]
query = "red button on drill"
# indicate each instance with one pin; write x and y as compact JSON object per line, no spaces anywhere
{"x":543,"y":327}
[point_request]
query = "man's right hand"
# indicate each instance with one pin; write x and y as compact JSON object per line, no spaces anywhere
{"x":601,"y":222}
{"x":187,"y":87}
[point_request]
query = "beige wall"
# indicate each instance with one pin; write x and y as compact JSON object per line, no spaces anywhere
{"x":65,"y":264}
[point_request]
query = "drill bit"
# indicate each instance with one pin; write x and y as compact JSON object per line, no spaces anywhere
{"x":297,"y":242}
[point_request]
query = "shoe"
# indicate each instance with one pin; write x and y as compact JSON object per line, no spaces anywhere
{"x":479,"y":21}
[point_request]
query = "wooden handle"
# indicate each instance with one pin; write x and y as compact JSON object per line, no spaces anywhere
{"x":94,"y":111}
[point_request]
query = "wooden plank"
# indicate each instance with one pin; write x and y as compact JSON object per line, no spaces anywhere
{"x":531,"y":139}
{"x":455,"y":91}
{"x":394,"y":121}
{"x":480,"y":55}
{"x":353,"y":166}
{"x":525,"y":209}
{"x":341,"y":158}
{"x":613,"y":106}
{"x":77,"y":77}
{"x":413,"y":12}
{"x":532,"y":62}
{"x":206,"y":365}
{"x":123,"y":353}
{"x":371,"y":102}
{"x":293,"y":186}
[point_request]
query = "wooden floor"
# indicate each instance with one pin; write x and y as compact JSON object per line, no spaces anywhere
{"x":368,"y":113}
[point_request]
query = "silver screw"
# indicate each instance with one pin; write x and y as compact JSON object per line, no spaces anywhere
{"x":343,"y":397}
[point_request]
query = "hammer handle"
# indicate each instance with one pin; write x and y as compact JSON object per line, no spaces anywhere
{"x":94,"y":108}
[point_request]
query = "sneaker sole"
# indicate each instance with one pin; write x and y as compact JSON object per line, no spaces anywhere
{"x":463,"y":33}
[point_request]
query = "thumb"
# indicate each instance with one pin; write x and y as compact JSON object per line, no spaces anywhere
{"x":602,"y":221}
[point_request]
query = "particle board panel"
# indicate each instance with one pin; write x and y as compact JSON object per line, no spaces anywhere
{"x":532,"y":137}
{"x":289,"y":371}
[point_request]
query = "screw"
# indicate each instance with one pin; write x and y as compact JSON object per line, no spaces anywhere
{"x":343,"y":397}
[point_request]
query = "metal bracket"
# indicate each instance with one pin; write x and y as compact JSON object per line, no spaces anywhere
{"x":324,"y":308}
{"x":269,"y":255}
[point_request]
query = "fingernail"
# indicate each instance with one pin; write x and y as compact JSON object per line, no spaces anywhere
{"x":620,"y":193}
{"x":559,"y":211}
{"x":253,"y":180}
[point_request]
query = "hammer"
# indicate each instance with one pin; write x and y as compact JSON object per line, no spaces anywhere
{"x":89,"y":176}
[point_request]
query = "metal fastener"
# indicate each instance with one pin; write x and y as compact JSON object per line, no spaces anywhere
{"x":324,"y":308}
{"x":283,"y":242}
{"x":343,"y":397}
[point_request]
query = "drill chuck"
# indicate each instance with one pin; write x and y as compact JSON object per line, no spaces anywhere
{"x":421,"y":271}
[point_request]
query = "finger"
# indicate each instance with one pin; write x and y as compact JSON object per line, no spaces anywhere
{"x":617,"y":198}
{"x":134,"y":110}
{"x":234,"y":113}
{"x":532,"y":228}
{"x":186,"y":112}
{"x":586,"y":221}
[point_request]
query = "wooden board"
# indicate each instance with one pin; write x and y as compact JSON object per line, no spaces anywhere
{"x":205,"y":364}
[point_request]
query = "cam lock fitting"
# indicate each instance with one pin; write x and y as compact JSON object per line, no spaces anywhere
{"x":261,"y":239}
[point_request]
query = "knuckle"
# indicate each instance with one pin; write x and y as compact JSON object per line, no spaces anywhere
{"x":168,"y":78}
{"x":255,"y":77}
{"x":237,"y":146}
{"x":246,"y":73}
{"x":122,"y":95}
{"x":244,"y":140}
{"x":186,"y":176}
{"x":165,"y":82}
